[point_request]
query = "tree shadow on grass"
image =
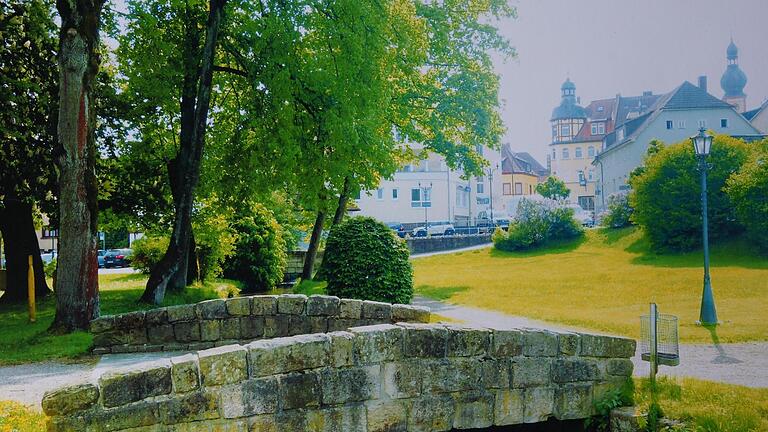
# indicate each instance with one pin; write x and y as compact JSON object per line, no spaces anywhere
{"x":615,"y":235}
{"x":559,"y":247}
{"x":129,"y":277}
{"x":729,"y":253}
{"x":439,"y":293}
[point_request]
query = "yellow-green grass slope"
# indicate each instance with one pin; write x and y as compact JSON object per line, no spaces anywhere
{"x":22,"y":341}
{"x":604,"y":282}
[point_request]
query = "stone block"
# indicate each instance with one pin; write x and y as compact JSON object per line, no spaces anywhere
{"x":386,"y":416}
{"x":568,"y":370}
{"x":507,"y":343}
{"x":125,"y":348}
{"x":341,"y":324}
{"x":263,"y":423}
{"x":466,"y":341}
{"x":432,"y":413}
{"x":199,"y":346}
{"x":223,"y":365}
{"x":351,"y":384}
{"x":160,"y":334}
{"x":137,"y":336}
{"x":568,"y":343}
{"x":509,"y":407}
{"x":318,"y":324}
{"x":323,"y":305}
{"x":130,"y":417}
{"x":377,"y":343}
{"x":376,"y":310}
{"x":424,"y":340}
{"x":350,"y":309}
{"x":606,"y":346}
{"x":342,"y":353}
{"x":184,"y":312}
{"x":530,"y":371}
{"x":291,"y":420}
{"x":191,"y":407}
{"x":100,"y":325}
{"x":230,"y":329}
{"x":212,"y":309}
{"x":264,"y":305}
{"x":270,"y":357}
{"x":538,"y":403}
{"x":238,"y":306}
{"x":131,"y":320}
{"x":185,"y":373}
{"x":495,"y":373}
{"x":408,"y":313}
{"x":210,"y":330}
{"x":474,"y":410}
{"x":101,"y":351}
{"x":299,"y":390}
{"x":70,"y":399}
{"x":251,"y":327}
{"x":277,"y":326}
{"x":573,"y":401}
{"x":187,"y":331}
{"x":626,"y":419}
{"x":156,"y":317}
{"x":291,"y":304}
{"x":620,"y":367}
{"x":540,"y":343}
{"x":402,"y":379}
{"x":147,"y":380}
{"x":251,"y":397}
{"x":452,"y":375}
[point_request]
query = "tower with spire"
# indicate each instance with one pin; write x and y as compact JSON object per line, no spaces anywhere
{"x":734,"y":80}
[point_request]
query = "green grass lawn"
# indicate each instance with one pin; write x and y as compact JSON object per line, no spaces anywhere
{"x":604,"y":282}
{"x":21,"y":341}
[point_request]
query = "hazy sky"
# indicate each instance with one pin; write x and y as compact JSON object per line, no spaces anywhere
{"x":620,"y":46}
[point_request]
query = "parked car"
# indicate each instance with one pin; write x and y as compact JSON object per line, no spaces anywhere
{"x":584,"y":217}
{"x":398,"y":228}
{"x":435,"y":228}
{"x":117,"y":258}
{"x":487,"y":225}
{"x":100,"y":257}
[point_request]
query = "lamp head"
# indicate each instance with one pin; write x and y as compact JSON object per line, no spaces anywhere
{"x":702,"y":143}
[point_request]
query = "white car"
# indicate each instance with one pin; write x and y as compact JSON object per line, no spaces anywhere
{"x":437,"y":228}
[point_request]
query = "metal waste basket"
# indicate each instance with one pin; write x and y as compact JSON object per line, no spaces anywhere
{"x":666,"y":338}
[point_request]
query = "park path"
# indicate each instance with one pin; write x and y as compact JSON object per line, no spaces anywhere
{"x":744,"y":364}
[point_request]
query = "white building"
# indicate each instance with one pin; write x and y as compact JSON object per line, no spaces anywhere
{"x":429,"y":192}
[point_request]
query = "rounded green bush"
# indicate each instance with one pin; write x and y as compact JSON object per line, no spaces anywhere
{"x":748,"y":190}
{"x":148,"y":251}
{"x":364,"y":259}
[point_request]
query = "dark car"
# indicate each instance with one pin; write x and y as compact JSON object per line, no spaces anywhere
{"x":398,"y":228}
{"x":100,"y":257}
{"x":117,"y":258}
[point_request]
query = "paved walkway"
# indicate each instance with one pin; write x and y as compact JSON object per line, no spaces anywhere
{"x":450,"y":251}
{"x":743,"y":364}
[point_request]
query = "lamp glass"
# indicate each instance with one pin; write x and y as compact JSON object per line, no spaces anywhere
{"x":702,"y":143}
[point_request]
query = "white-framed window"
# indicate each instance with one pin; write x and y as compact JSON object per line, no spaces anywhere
{"x":591,"y":151}
{"x":518,"y":188}
{"x":724,"y":123}
{"x":565,"y":130}
{"x":620,"y":134}
{"x":578,"y":153}
{"x":380,"y":194}
{"x":591,"y":175}
{"x":600,"y":108}
{"x":597,"y":128}
{"x":421,"y":197}
{"x":681,"y":124}
{"x":480,"y":188}
{"x":506,"y":188}
{"x":395,"y":194}
{"x":554,"y":131}
{"x":702,"y":123}
{"x":670,"y":124}
{"x":565,"y":154}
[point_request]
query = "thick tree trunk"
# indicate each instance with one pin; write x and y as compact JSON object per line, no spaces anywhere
{"x":171,"y":271}
{"x":314,"y":245}
{"x":18,"y":230}
{"x":341,"y":209}
{"x":77,"y":283}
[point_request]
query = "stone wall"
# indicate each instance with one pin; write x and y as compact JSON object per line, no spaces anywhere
{"x":404,"y":377}
{"x":294,"y":264}
{"x":240,"y":319}
{"x":419,"y":245}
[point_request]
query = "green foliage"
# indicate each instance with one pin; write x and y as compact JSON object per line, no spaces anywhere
{"x":537,"y":224}
{"x":50,"y":268}
{"x":214,"y":239}
{"x":748,"y":191}
{"x":364,"y":259}
{"x":148,"y":251}
{"x":553,"y":188}
{"x":259,"y":258}
{"x":666,"y":194}
{"x":623,"y":396}
{"x":619,"y":211}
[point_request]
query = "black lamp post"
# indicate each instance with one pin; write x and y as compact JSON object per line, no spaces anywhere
{"x":702,"y":144}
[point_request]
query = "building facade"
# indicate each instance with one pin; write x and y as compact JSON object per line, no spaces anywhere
{"x":520,"y":173}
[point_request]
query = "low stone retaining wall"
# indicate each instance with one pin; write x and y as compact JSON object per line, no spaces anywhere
{"x":404,"y":377}
{"x":294,"y":264}
{"x":419,"y":245}
{"x":240,"y":319}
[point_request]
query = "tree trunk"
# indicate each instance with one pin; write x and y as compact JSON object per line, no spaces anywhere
{"x":77,"y":282}
{"x":314,"y":245}
{"x":18,"y":232}
{"x":341,"y":209}
{"x":171,"y":271}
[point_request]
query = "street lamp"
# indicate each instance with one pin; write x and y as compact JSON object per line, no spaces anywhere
{"x":490,"y":181}
{"x":702,"y":144}
{"x":425,"y":204}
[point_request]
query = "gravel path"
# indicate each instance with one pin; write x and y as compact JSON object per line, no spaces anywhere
{"x":450,"y":251}
{"x":743,"y":364}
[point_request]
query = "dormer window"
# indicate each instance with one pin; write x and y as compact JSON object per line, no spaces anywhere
{"x":597,"y":128}
{"x":620,"y":134}
{"x":600,"y":108}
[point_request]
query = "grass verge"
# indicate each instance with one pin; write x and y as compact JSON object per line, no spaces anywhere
{"x":15,"y":417}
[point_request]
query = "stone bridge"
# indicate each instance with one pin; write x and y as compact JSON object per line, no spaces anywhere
{"x":377,"y":378}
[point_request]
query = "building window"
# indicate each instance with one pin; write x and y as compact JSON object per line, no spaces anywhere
{"x":49,"y":233}
{"x":578,"y":152}
{"x":518,"y":188}
{"x":554,"y":153}
{"x":597,"y":128}
{"x":620,"y":135}
{"x":723,"y":123}
{"x":480,"y":188}
{"x":507,"y":188}
{"x":670,"y":124}
{"x":702,"y":123}
{"x":565,"y":130}
{"x":565,"y":154}
{"x":554,"y":131}
{"x":357,"y":195}
{"x":421,"y":197}
{"x":530,"y":189}
{"x":395,"y":193}
{"x":591,"y":175}
{"x":681,"y":124}
{"x":380,"y":194}
{"x":591,"y":151}
{"x":600,"y":108}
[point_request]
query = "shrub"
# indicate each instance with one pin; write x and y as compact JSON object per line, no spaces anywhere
{"x":748,"y":190}
{"x":666,"y":194}
{"x":214,"y":242}
{"x":364,"y":259}
{"x":553,"y":188}
{"x":50,"y":268}
{"x":260,"y":256}
{"x":148,"y":251}
{"x":536,"y":224}
{"x":619,"y":212}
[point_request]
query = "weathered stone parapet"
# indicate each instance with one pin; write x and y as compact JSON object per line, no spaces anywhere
{"x":406,"y":377}
{"x":219,"y":322}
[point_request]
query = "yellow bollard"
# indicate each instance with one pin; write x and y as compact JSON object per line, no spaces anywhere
{"x":31,"y":291}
